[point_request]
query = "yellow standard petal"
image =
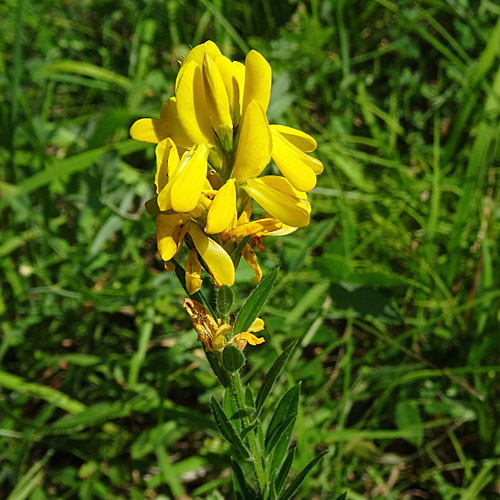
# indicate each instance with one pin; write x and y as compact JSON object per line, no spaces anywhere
{"x":216,"y":97}
{"x":298,"y":167}
{"x":288,"y":209}
{"x":188,"y":183}
{"x":216,"y":258}
{"x":149,"y":130}
{"x":168,"y":235}
{"x":192,"y":109}
{"x":258,"y":80}
{"x":222,"y":210}
{"x":197,"y":54}
{"x":298,"y":138}
{"x":255,"y":144}
{"x":193,"y":272}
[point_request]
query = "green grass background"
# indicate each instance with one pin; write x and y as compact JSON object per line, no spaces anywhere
{"x":392,"y":290}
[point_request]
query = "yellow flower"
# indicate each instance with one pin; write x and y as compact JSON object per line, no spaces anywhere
{"x":213,"y":334}
{"x":212,"y":93}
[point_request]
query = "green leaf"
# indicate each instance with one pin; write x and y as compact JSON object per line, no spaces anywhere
{"x":288,"y":405}
{"x":281,"y":477}
{"x":98,"y":412}
{"x":48,"y":70}
{"x":227,"y":430}
{"x":288,"y":493}
{"x":271,"y":377}
{"x":224,"y":300}
{"x":52,"y":396}
{"x":242,"y":488}
{"x":62,"y":169}
{"x":217,"y":369}
{"x":249,"y":399}
{"x":254,"y":304}
{"x":408,"y":417}
{"x":30,"y":480}
{"x":232,"y":358}
{"x":278,"y":445}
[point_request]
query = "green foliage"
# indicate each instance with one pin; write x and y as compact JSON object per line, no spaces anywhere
{"x":392,"y":292}
{"x":254,"y":304}
{"x":232,"y":358}
{"x":225,"y":297}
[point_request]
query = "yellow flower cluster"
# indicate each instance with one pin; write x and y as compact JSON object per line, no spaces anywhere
{"x":214,"y":142}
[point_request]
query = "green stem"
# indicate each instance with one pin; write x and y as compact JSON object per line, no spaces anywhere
{"x":253,"y":443}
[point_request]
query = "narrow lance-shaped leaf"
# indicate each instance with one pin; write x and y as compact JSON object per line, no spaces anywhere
{"x":271,"y":377}
{"x":241,"y":487}
{"x":227,"y":429}
{"x":288,"y":493}
{"x":281,"y":477}
{"x":288,"y":405}
{"x":254,"y":304}
{"x":278,"y":446}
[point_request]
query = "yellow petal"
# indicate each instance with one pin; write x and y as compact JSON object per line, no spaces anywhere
{"x":248,"y":337}
{"x":162,"y":161}
{"x":258,"y":80}
{"x":174,"y":167}
{"x":259,"y":227}
{"x":168,"y":235}
{"x":257,"y":326}
{"x":298,"y":167}
{"x":226,"y":68}
{"x":168,"y":115}
{"x":193,"y":272}
{"x":172,"y":161}
{"x":216,"y":258}
{"x":239,"y":74}
{"x":192,"y":108}
{"x":222,"y":209}
{"x":298,"y":138}
{"x":287,"y":209}
{"x":216,"y":96}
{"x":149,"y":130}
{"x":251,"y":258}
{"x":255,"y":144}
{"x":197,"y":54}
{"x":283,"y":231}
{"x":283,"y":185}
{"x":188,"y":183}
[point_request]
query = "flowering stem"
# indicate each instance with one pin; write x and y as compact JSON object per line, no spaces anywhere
{"x":255,"y":449}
